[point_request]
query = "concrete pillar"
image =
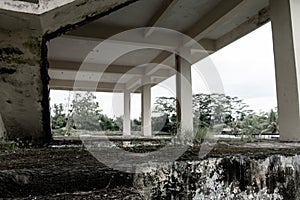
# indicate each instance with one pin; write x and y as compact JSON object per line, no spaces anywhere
{"x":126,"y":118}
{"x":184,"y":95}
{"x":285,"y":16}
{"x":146,"y":109}
{"x":24,"y":98}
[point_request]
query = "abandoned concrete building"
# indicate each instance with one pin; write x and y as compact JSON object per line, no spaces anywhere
{"x":31,"y":51}
{"x":54,"y":44}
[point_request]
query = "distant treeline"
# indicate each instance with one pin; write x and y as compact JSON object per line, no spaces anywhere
{"x":209,"y":110}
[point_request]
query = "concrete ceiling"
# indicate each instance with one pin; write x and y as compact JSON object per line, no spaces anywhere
{"x":212,"y":23}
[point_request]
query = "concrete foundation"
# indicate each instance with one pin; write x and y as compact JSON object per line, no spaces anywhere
{"x":230,"y":177}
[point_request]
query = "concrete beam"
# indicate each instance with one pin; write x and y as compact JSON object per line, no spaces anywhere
{"x":89,"y":76}
{"x":164,"y":12}
{"x":85,"y":86}
{"x":92,"y":67}
{"x":222,"y":13}
{"x":250,"y":25}
{"x":162,"y":59}
{"x":139,"y":42}
{"x":83,"y":11}
{"x":285,"y":15}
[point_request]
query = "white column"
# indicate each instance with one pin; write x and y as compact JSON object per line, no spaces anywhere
{"x":184,"y":95}
{"x":285,"y":17}
{"x":126,"y":117}
{"x":146,"y":108}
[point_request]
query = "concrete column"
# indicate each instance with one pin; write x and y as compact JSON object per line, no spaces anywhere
{"x":146,"y":109}
{"x":24,"y":96}
{"x":184,"y":95}
{"x":126,"y":118}
{"x":285,"y":16}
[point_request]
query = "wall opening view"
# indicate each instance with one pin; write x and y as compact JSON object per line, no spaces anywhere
{"x":246,"y":110}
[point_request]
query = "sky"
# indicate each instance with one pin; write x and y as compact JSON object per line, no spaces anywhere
{"x":246,"y":69}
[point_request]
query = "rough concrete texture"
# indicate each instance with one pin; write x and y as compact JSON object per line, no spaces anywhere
{"x":22,"y":87}
{"x":55,"y":14}
{"x":24,"y":30}
{"x":61,"y":19}
{"x":231,"y":177}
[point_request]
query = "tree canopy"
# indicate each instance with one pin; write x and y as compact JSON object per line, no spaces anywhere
{"x":208,"y":110}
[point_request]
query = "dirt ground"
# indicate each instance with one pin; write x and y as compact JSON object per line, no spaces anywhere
{"x":71,"y":172}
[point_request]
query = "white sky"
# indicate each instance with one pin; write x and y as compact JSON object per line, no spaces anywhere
{"x":246,"y":68}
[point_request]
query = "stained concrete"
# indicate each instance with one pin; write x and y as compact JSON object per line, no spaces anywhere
{"x":231,"y":177}
{"x":24,"y":32}
{"x":22,"y":89}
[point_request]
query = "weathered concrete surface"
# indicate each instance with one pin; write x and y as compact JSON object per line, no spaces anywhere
{"x":60,"y":20}
{"x":232,"y":177}
{"x":237,"y":172}
{"x":24,"y":95}
{"x":286,"y":29}
{"x":2,"y":128}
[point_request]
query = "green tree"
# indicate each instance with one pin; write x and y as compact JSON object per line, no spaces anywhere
{"x":85,"y":112}
{"x":271,"y":122}
{"x":136,"y":124}
{"x":108,"y":124}
{"x":166,"y":121}
{"x":59,"y":118}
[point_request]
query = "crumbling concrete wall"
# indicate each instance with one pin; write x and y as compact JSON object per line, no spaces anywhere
{"x":23,"y":97}
{"x":24,"y":30}
{"x":232,"y":177}
{"x":23,"y":78}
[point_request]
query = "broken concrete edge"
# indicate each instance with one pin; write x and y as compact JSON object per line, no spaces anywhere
{"x":44,"y":65}
{"x":89,"y":18}
{"x":36,"y":7}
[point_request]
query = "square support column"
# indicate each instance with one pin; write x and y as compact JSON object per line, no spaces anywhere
{"x":24,"y":94}
{"x":126,"y":117}
{"x":285,"y":17}
{"x":184,"y":95}
{"x":146,"y":108}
